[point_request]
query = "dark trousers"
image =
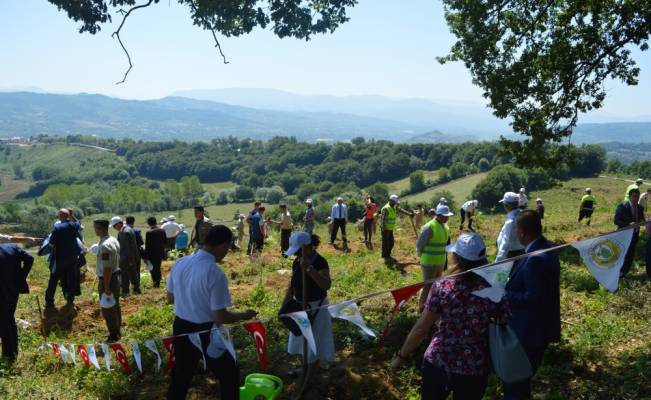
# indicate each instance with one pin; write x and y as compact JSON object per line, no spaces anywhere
{"x":66,"y":273}
{"x":187,"y":356}
{"x":55,"y":279}
{"x":8,"y":328}
{"x":522,"y":390}
{"x":171,"y":243}
{"x":387,"y":243}
{"x":130,"y":274}
{"x":463,"y":214}
{"x":368,"y":229}
{"x":155,"y":272}
{"x":284,"y":240}
{"x":437,"y":384}
{"x":113,"y":315}
{"x":337,"y":224}
{"x":630,"y":254}
{"x":585,"y":213}
{"x":648,"y":255}
{"x":255,"y":245}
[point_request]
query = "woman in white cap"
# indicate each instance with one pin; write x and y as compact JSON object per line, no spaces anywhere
{"x":522,"y":199}
{"x":457,"y":359}
{"x":317,"y":282}
{"x":508,"y":244}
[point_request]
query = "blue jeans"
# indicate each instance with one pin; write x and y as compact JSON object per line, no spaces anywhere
{"x":437,"y":384}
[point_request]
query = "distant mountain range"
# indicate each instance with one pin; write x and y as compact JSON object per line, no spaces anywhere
{"x":262,"y":114}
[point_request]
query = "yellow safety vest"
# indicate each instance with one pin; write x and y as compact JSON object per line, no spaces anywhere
{"x":434,"y":251}
{"x":389,"y":221}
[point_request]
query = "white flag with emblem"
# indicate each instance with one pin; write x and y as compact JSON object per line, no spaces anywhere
{"x":107,"y":356}
{"x":65,"y":354}
{"x":151,"y":345}
{"x":196,"y":341}
{"x":496,"y":276}
{"x":220,"y":338}
{"x":73,"y":353}
{"x":349,"y":311}
{"x":605,"y":255}
{"x":92,"y":356}
{"x":136,"y":355}
{"x":303,"y":322}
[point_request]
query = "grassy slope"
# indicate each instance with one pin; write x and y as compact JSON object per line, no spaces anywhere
{"x":460,"y":188}
{"x":605,"y":352}
{"x":403,"y":184}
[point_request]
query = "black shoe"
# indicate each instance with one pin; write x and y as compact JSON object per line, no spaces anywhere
{"x":156,"y":285}
{"x":112,"y":339}
{"x":137,"y":291}
{"x":49,"y":305}
{"x":124,"y":294}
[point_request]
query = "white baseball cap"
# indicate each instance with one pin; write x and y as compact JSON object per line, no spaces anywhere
{"x":522,"y":190}
{"x":510,"y":197}
{"x":394,"y":197}
{"x":469,"y":246}
{"x":308,"y":201}
{"x":340,"y":198}
{"x":639,"y":180}
{"x":588,"y":189}
{"x":115,"y":220}
{"x":443,"y":210}
{"x":297,"y":241}
{"x":171,"y":218}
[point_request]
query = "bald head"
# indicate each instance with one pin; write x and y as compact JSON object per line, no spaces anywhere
{"x":64,"y":214}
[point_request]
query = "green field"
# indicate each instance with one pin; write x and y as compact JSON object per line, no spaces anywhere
{"x":460,"y":189}
{"x":214,"y":188}
{"x":605,"y":352}
{"x":403,"y":184}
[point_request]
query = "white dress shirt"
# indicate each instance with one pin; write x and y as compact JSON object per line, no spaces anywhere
{"x":171,"y":228}
{"x":508,"y":239}
{"x":523,"y":200}
{"x":339,"y":211}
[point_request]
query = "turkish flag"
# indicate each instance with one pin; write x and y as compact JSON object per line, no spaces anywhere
{"x":168,"y":342}
{"x":121,"y":356}
{"x":259,"y":335}
{"x":83,"y":352}
{"x":56,"y":349}
{"x":400,"y":297}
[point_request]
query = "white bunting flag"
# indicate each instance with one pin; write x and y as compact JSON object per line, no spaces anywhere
{"x":72,"y":353}
{"x":65,"y":354}
{"x":496,"y":276}
{"x":92,"y":356}
{"x":107,"y":356}
{"x":151,"y":345}
{"x":136,"y":355}
{"x":220,"y":339}
{"x":605,"y":255}
{"x":349,"y":311}
{"x":304,"y":324}
{"x":195,"y":339}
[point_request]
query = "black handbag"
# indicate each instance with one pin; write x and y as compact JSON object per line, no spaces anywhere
{"x":293,"y":306}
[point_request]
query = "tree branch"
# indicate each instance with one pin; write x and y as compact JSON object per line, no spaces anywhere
{"x":211,"y":28}
{"x":117,"y":34}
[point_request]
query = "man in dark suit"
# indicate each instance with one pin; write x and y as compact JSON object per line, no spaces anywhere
{"x":627,"y":213}
{"x":64,"y":243}
{"x":533,"y":291}
{"x":155,"y":252}
{"x":15,"y":264}
{"x":129,"y":256}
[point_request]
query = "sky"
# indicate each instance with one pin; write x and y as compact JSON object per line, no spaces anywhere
{"x":387,"y":48}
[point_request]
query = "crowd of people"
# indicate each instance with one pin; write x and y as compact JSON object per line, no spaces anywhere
{"x":457,"y":359}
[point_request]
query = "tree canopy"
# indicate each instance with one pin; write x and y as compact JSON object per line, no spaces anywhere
{"x":542,"y":63}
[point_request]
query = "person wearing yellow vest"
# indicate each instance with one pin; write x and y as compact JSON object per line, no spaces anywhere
{"x":388,"y":221}
{"x":587,"y":206}
{"x":434,"y":237}
{"x":638,"y":183}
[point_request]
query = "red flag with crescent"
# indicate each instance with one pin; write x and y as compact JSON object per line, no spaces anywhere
{"x":55,"y":348}
{"x":259,"y":335}
{"x":83,"y":352}
{"x":121,"y":356}
{"x":400,"y":297}
{"x":168,"y":342}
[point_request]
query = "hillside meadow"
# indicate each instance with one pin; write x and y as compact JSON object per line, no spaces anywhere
{"x":605,"y":352}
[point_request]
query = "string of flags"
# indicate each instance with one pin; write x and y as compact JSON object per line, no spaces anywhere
{"x":603,"y":255}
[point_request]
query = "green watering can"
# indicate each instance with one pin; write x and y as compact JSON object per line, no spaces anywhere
{"x":258,"y":386}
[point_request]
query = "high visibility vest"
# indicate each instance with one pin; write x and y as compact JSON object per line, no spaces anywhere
{"x":433,"y":252}
{"x":588,"y":201}
{"x":389,"y":221}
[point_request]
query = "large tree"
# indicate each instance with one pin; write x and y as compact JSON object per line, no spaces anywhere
{"x":288,"y":18}
{"x":543,"y":62}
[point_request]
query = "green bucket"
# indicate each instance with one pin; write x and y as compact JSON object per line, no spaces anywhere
{"x":261,"y":386}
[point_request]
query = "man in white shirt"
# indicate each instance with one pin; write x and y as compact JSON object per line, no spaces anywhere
{"x":339,"y":215}
{"x":108,"y":273}
{"x":644,"y":199}
{"x":286,"y":225}
{"x":172,"y":229}
{"x":468,"y":211}
{"x":507,"y":242}
{"x":522,"y":199}
{"x":198,"y":288}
